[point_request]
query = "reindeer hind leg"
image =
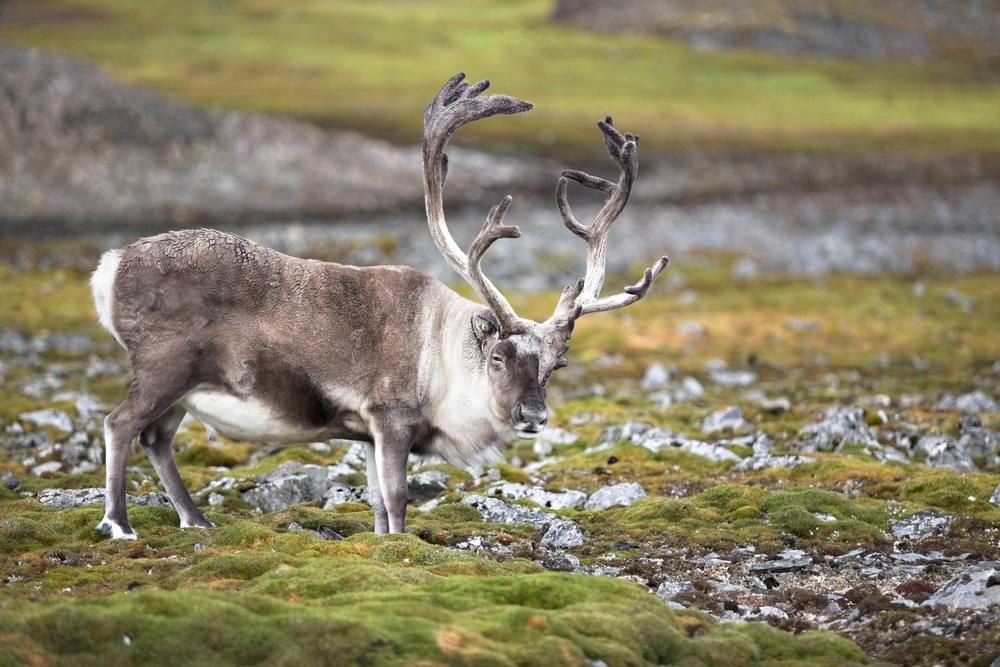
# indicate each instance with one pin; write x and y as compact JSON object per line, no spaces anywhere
{"x":157,"y":441}
{"x":147,"y":400}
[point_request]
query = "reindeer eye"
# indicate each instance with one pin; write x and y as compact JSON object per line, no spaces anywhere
{"x":498,"y":360}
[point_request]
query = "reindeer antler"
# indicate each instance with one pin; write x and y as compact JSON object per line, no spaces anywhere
{"x":457,"y":104}
{"x":623,"y":149}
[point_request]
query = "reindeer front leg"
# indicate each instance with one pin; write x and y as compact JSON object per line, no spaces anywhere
{"x":387,"y":482}
{"x":375,"y":492}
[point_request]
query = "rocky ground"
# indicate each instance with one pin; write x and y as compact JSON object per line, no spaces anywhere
{"x":721,"y":519}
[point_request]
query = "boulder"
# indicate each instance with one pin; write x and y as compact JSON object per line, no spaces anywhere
{"x":558,"y":533}
{"x":921,"y":524}
{"x":615,"y":495}
{"x":839,"y":426}
{"x":731,"y":420}
{"x":553,"y":500}
{"x":976,"y":588}
{"x":943,"y":451}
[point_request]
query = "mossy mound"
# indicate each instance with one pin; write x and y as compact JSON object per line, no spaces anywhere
{"x":548,"y":618}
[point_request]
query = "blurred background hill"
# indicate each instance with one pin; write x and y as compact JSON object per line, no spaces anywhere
{"x":889,"y":29}
{"x":840,"y":121}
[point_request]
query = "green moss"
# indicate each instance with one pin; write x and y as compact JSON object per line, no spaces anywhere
{"x":213,"y":455}
{"x":384,"y":618}
{"x":241,"y":566}
{"x":950,"y":492}
{"x":731,"y":497}
{"x":19,"y":535}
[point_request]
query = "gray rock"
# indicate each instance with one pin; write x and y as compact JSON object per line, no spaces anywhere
{"x":657,"y":439}
{"x":631,"y":431}
{"x":356,"y":456}
{"x":554,"y":500}
{"x":340,"y":493}
{"x":322,"y":532}
{"x":995,"y":498}
{"x":10,"y":481}
{"x":943,"y":451}
{"x":563,"y":534}
{"x":921,"y":524}
{"x":788,"y":561}
{"x":559,"y":533}
{"x":976,"y":588}
{"x":557,"y":436}
{"x":615,"y":495}
{"x":54,"y":418}
{"x":731,"y":378}
{"x":669,"y":590}
{"x":47,"y":467}
{"x":288,"y":484}
{"x":655,"y":377}
{"x":979,"y":441}
{"x":427,"y":484}
{"x":64,"y":499}
{"x":561,"y":562}
{"x":550,"y":438}
{"x":971,"y":403}
{"x":767,"y":612}
{"x":731,"y":419}
{"x":690,"y":389}
{"x":838,"y":427}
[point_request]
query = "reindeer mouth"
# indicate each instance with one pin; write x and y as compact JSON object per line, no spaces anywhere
{"x":528,"y":432}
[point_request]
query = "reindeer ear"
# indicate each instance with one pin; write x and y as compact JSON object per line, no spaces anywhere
{"x":485,"y":326}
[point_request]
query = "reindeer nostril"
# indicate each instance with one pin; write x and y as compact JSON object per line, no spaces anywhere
{"x":534,"y":417}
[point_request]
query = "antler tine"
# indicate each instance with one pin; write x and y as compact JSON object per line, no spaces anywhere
{"x":623,"y":149}
{"x":456,"y":104}
{"x":630,"y":295}
{"x":492,"y":231}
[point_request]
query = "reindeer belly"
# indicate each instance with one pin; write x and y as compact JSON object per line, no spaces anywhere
{"x":253,"y":420}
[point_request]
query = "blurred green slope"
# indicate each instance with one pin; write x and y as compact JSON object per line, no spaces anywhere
{"x":372,"y":66}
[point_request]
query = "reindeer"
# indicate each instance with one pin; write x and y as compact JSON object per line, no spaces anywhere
{"x":269,"y":348}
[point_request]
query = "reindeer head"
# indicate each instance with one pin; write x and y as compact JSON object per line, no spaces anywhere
{"x":520,"y":354}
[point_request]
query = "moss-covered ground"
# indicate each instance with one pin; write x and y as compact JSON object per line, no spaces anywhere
{"x":253,"y":592}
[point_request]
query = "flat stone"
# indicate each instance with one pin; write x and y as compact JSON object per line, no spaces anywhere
{"x":615,"y":495}
{"x":731,"y":419}
{"x":555,"y":500}
{"x":971,"y":403}
{"x":839,"y":426}
{"x":54,"y":418}
{"x":756,"y":463}
{"x":669,"y":590}
{"x":427,"y":484}
{"x":559,"y":533}
{"x":943,"y":451}
{"x":782,"y":565}
{"x":976,"y":588}
{"x":71,"y":498}
{"x":563,"y":534}
{"x":921,"y":524}
{"x":729,"y":378}
{"x":339,"y":493}
{"x":656,"y":376}
{"x":47,"y":467}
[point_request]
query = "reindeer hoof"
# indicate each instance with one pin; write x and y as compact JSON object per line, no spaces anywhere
{"x":114,"y":531}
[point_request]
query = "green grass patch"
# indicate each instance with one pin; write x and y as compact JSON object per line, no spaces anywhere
{"x":374,"y":66}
